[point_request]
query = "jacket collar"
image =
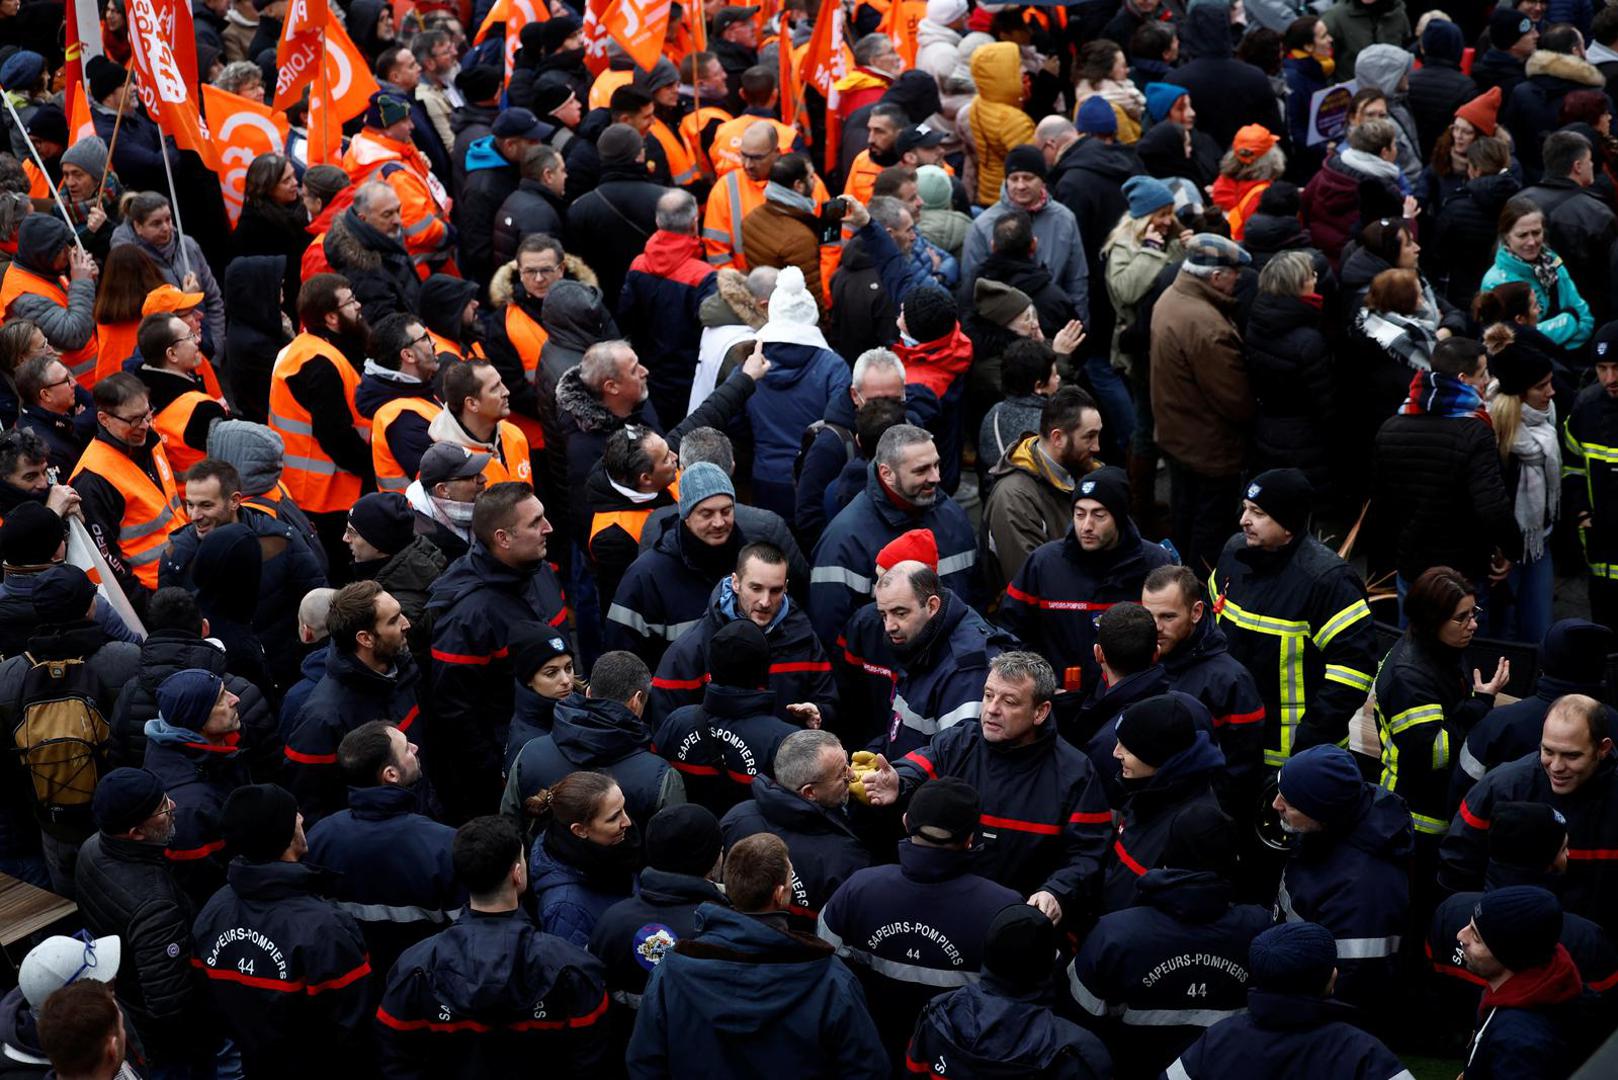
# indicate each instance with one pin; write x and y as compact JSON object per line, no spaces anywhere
{"x":381,"y":802}
{"x":275,"y":880}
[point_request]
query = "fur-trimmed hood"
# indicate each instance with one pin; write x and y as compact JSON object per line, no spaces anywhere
{"x":733,"y":304}
{"x":346,"y":250}
{"x":502,"y":285}
{"x":576,"y":399}
{"x":1565,"y":66}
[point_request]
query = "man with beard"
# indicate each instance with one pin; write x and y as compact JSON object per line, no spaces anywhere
{"x":883,"y":126}
{"x":130,"y":502}
{"x":1012,"y":261}
{"x":366,"y":245}
{"x":1032,"y":498}
{"x":370,"y":675}
{"x":1054,"y":600}
{"x":328,"y":458}
{"x":901,"y":493}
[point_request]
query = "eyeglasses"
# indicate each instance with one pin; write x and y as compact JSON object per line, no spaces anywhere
{"x":88,"y":959}
{"x":540,"y":271}
{"x":1465,"y":617}
{"x":417,"y":341}
{"x":134,"y":421}
{"x":352,"y":301}
{"x":63,"y":381}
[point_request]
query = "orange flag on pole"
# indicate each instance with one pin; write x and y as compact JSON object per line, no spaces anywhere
{"x":242,"y":130}
{"x":698,"y":18}
{"x":348,"y":84}
{"x":166,"y":74}
{"x":297,"y":54}
{"x":596,"y":36}
{"x":900,"y":23}
{"x":639,"y":26}
{"x":824,"y":65}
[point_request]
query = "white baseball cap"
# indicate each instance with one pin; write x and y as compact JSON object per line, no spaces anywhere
{"x":57,"y":961}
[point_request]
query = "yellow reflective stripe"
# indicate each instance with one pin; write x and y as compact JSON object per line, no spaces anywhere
{"x":1419,"y":714}
{"x":1429,"y":825}
{"x":1604,"y":570}
{"x":1341,"y":673}
{"x":1441,"y":750}
{"x":1598,"y":452}
{"x":1341,"y":621}
{"x":1262,"y":624}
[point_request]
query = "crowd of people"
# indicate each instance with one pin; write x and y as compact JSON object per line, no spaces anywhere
{"x":1085,"y":545}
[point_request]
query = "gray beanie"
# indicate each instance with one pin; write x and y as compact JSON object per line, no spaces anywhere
{"x":702,"y":481}
{"x":254,"y":449}
{"x":89,"y":154}
{"x":620,"y":144}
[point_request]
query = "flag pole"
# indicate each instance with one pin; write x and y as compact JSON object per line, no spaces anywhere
{"x":325,"y":104}
{"x":117,"y":122}
{"x":61,"y":207}
{"x":174,"y":207}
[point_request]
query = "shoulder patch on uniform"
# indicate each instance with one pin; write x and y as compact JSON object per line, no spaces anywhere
{"x":651,"y":943}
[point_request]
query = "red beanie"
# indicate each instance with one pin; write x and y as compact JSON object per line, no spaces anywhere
{"x":1483,"y":111}
{"x":917,"y":544}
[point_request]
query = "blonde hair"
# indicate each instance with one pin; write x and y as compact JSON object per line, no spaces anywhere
{"x":1505,"y":410}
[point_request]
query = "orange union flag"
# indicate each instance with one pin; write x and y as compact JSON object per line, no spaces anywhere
{"x":349,"y":84}
{"x":297,"y":54}
{"x":639,"y":26}
{"x":242,"y":130}
{"x":167,"y":74}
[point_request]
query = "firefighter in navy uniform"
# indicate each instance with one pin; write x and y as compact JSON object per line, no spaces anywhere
{"x":285,"y":968}
{"x":1590,"y":475}
{"x":1296,"y":617}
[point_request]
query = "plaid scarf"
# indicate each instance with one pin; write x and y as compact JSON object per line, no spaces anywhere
{"x":1446,"y":396}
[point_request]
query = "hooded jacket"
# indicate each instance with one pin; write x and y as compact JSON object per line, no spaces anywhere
{"x":1353,"y":879}
{"x":662,"y":296}
{"x":1384,"y":66}
{"x":995,"y":1031}
{"x":1053,"y":602}
{"x":1355,"y":27}
{"x":1331,"y":203}
{"x":574,"y":881}
{"x":862,"y":315}
{"x":914,"y":930}
{"x":1183,"y":783}
{"x":1535,"y":104}
{"x":739,"y":997}
{"x":994,"y":121}
{"x":270,"y":931}
{"x":822,"y":845}
{"x":1156,"y":975}
{"x":254,"y":334}
{"x":65,"y":328}
{"x":490,"y":178}
{"x":1060,"y":248}
{"x":802,"y":382}
{"x":722,"y":745}
{"x":377,"y":267}
{"x":1030,"y":504}
{"x":634,"y":935}
{"x":799,"y":668}
{"x":199,"y":776}
{"x":1227,"y":93}
{"x":1289,"y":368}
{"x":492,"y":971}
{"x":257,"y":453}
{"x":21,"y":1056}
{"x":1285,"y":1035}
{"x":665,"y":591}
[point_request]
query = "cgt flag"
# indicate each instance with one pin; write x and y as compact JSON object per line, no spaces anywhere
{"x":348,"y":84}
{"x":297,"y":54}
{"x":242,"y":130}
{"x":639,"y":26}
{"x":166,"y":74}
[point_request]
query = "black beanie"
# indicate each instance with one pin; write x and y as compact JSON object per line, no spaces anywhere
{"x":1109,"y":486}
{"x":1519,"y":367}
{"x":1156,"y":729}
{"x":385,"y":520}
{"x":550,"y":94}
{"x":259,"y":821}
{"x":1526,"y":835}
{"x":1281,"y":199}
{"x":683,"y":839}
{"x":1020,"y":947}
{"x":481,"y":82}
{"x":534,"y":646}
{"x":62,"y":595}
{"x":739,"y":655}
{"x":1201,"y":840}
{"x":1574,"y":650}
{"x":1026,"y":158}
{"x":1520,"y":924}
{"x":31,"y":535}
{"x":929,"y":314}
{"x":1285,"y":495}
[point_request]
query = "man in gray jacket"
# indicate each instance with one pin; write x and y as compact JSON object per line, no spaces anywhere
{"x":1057,"y":245}
{"x":32,"y":290}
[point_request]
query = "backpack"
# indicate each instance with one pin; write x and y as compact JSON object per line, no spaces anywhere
{"x":812,"y":432}
{"x":61,"y":739}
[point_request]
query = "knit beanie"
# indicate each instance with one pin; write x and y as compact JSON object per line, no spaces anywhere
{"x":534,"y":646}
{"x":932,"y":184}
{"x":683,"y":839}
{"x":1156,"y":729}
{"x":1109,"y":486}
{"x":1201,"y":839}
{"x":62,"y":594}
{"x":1442,"y":40}
{"x":1323,"y":782}
{"x":701,"y":482}
{"x":945,"y":811}
{"x":259,"y":821}
{"x":998,"y":302}
{"x":324,"y":182}
{"x":49,"y":123}
{"x":929,"y":313}
{"x":1020,"y":947}
{"x":1096,"y":117}
{"x":550,"y":95}
{"x":1160,"y":98}
{"x":661,"y":75}
{"x":1026,"y":158}
{"x":1518,"y":367}
{"x":481,"y":82}
{"x":1507,"y":26}
{"x":1285,"y":495}
{"x":386,"y":109}
{"x":1282,"y":199}
{"x":790,"y":301}
{"x":1574,"y":650}
{"x":22,"y":70}
{"x":385,"y":520}
{"x":89,"y":154}
{"x":31,"y":535}
{"x":620,"y":144}
{"x":124,"y":798}
{"x":556,"y":30}
{"x":918,"y":545}
{"x":1483,"y":111}
{"x":41,"y":236}
{"x":1526,"y":835}
{"x":1293,"y":958}
{"x":1146,"y":195}
{"x":739,"y":656}
{"x":1521,"y":925}
{"x":944,"y":12}
{"x":104,"y":76}
{"x":187,"y":697}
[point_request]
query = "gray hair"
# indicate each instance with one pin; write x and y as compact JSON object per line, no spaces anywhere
{"x":888,"y":212}
{"x":1286,"y":273}
{"x":1055,"y":126}
{"x":677,"y":211}
{"x":761,"y":281}
{"x":870,"y":47}
{"x":1019,"y":665}
{"x":797,"y":759}
{"x":600,"y":362}
{"x":1373,"y":136}
{"x":710,"y":445}
{"x":538,"y":160}
{"x":238,"y":74}
{"x":877,"y":360}
{"x":14,"y":206}
{"x":896,"y":440}
{"x":369,"y":191}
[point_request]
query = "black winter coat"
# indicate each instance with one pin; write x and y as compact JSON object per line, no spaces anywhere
{"x":823,"y":848}
{"x":862,"y":316}
{"x":633,"y":935}
{"x":587,"y":733}
{"x":1468,"y":227}
{"x":619,"y":215}
{"x":532,"y":208}
{"x":1289,"y":366}
{"x":1436,"y":91}
{"x":1088,"y":179}
{"x":1227,"y":93}
{"x":722,"y":745}
{"x":1496,"y":67}
{"x":378,"y":267}
{"x":1533,"y":107}
{"x":1580,"y":224}
{"x":254,"y":335}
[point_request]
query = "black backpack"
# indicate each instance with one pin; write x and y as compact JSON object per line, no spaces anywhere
{"x":812,"y":432}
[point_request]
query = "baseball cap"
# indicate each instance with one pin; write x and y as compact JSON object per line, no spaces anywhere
{"x":518,"y":124}
{"x":450,"y":461}
{"x":725,"y":16}
{"x":168,"y":298}
{"x":58,"y":961}
{"x":919,"y":135}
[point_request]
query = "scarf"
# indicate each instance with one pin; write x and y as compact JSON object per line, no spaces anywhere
{"x":376,"y":370}
{"x":780,"y":193}
{"x":1539,"y":483}
{"x":79,"y":209}
{"x":1406,"y":338}
{"x":1545,"y":270}
{"x":1327,"y":66}
{"x":1369,"y":164}
{"x":1433,"y":393}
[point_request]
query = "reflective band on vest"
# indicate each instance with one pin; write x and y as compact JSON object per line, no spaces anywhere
{"x":390,"y":475}
{"x":682,"y":166}
{"x":527,"y":337}
{"x":514,"y":450}
{"x":18,"y":282}
{"x":151,"y":511}
{"x":171,"y":424}
{"x":315,"y":482}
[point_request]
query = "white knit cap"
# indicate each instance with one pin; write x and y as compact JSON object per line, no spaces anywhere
{"x":791,"y":302}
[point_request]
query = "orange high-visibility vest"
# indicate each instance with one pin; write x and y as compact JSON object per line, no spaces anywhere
{"x":442,"y":344}
{"x":527,"y":337}
{"x":691,"y":128}
{"x":862,"y":174}
{"x":727,"y":141}
{"x":632,"y":522}
{"x":605,"y":83}
{"x":151,"y":510}
{"x":115,"y":344}
{"x":171,"y":424}
{"x":518,"y":463}
{"x":682,"y":166}
{"x":39,"y":185}
{"x":81,"y":361}
{"x":390,"y":475}
{"x":315,"y":482}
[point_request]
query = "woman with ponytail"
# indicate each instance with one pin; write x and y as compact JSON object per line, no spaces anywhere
{"x":587,"y":854}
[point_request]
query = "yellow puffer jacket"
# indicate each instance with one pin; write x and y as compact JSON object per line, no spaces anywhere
{"x":995,"y":118}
